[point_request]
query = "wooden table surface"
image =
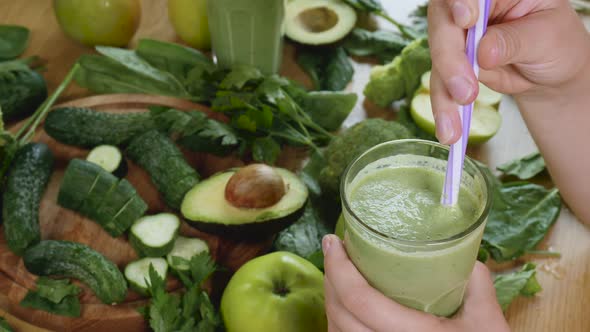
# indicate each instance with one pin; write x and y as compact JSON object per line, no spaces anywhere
{"x":564,"y":303}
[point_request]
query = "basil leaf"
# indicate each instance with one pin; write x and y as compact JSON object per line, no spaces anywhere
{"x":329,"y":68}
{"x":521,"y":216}
{"x":13,"y":41}
{"x":509,"y":286}
{"x":384,"y":45}
{"x":524,"y":168}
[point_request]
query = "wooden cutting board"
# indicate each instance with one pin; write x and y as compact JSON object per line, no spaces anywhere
{"x":62,"y":224}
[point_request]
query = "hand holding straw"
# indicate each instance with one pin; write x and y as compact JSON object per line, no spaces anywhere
{"x":457,"y":151}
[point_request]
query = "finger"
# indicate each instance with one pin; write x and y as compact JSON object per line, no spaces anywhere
{"x":446,"y":117}
{"x":332,"y":326}
{"x":505,"y":80}
{"x":368,"y":305}
{"x":480,"y":304}
{"x":465,"y":12}
{"x":340,"y":317}
{"x":447,"y":47}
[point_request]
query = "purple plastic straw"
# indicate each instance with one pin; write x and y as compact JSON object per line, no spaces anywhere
{"x":457,"y":151}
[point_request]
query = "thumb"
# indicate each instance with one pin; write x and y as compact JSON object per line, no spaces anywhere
{"x":524,"y":40}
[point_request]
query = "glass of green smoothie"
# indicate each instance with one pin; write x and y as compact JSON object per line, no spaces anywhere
{"x":247,"y":32}
{"x":408,"y":245}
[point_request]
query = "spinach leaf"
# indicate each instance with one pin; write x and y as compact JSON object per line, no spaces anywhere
{"x":175,"y":59}
{"x":521,"y":216}
{"x":384,"y":45}
{"x":328,"y":109}
{"x":4,"y":326}
{"x":13,"y":41}
{"x":329,"y":68}
{"x":55,"y":296}
{"x":524,"y":168}
{"x":509,"y":286}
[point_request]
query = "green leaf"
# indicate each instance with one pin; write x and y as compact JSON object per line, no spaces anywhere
{"x":201,"y":267}
{"x":384,"y":45}
{"x":56,"y":290}
{"x":317,"y":259}
{"x":329,"y":68}
{"x":509,"y":286}
{"x":239,"y":76}
{"x":13,"y":41}
{"x":4,"y":326}
{"x":524,"y":168}
{"x":173,"y":58}
{"x":521,"y":215}
{"x":310,"y":174}
{"x":69,"y":306}
{"x":266,"y":150}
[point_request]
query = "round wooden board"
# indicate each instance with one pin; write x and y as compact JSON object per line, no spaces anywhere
{"x":63,"y":224}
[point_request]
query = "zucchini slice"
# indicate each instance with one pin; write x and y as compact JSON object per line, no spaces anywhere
{"x":153,"y":236}
{"x":185,"y":248}
{"x":137,"y":272}
{"x":110,"y":158}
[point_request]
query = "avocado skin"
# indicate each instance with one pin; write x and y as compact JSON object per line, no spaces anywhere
{"x":249,"y":231}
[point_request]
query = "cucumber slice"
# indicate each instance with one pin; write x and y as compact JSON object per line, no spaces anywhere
{"x":131,"y":212}
{"x":488,"y":96}
{"x":138,"y":272}
{"x":109,"y":158}
{"x":113,"y":203}
{"x":153,"y":236}
{"x":79,"y":179}
{"x":104,"y":183}
{"x":485,"y":121}
{"x":186,"y":248}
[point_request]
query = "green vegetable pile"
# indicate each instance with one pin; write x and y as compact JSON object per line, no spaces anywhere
{"x":264,"y":113}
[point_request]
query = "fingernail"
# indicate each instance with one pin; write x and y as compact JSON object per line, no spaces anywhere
{"x":460,"y":88}
{"x":444,"y":129}
{"x":326,"y":244}
{"x":461,"y":14}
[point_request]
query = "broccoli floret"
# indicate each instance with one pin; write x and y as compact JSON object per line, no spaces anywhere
{"x":401,"y":77}
{"x":352,"y":143}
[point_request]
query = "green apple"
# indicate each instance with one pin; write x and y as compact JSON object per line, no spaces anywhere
{"x":99,"y":22}
{"x":275,"y":292}
{"x":189,"y":18}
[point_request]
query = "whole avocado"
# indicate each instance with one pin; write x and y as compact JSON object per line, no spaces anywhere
{"x":352,"y":143}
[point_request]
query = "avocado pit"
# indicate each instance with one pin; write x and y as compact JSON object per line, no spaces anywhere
{"x":256,"y":186}
{"x":318,"y":19}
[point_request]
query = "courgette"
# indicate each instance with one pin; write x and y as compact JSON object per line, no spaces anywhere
{"x":185,"y":248}
{"x":138,"y":272}
{"x":27,"y":179}
{"x":76,"y":260}
{"x":87,"y":128}
{"x":165,"y":163}
{"x":153,"y":236}
{"x":99,"y":195}
{"x":21,"y":92}
{"x":110,"y":158}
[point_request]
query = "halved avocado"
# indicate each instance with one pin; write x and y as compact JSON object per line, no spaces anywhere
{"x":318,"y":22}
{"x":206,"y":208}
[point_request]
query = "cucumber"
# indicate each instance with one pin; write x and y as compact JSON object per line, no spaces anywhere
{"x":87,"y":128}
{"x":153,"y":236}
{"x":109,"y":158}
{"x":165,"y":163}
{"x":138,"y":272}
{"x":185,"y":248}
{"x":76,"y":260}
{"x":99,"y":195}
{"x":26,"y":182}
{"x":21,"y":92}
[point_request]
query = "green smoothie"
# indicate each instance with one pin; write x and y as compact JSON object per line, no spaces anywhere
{"x":406,"y":244}
{"x":247,"y":32}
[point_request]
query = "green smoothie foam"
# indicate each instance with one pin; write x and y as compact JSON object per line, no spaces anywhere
{"x":420,"y":259}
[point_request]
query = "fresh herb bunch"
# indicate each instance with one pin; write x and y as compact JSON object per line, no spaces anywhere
{"x":191,"y":311}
